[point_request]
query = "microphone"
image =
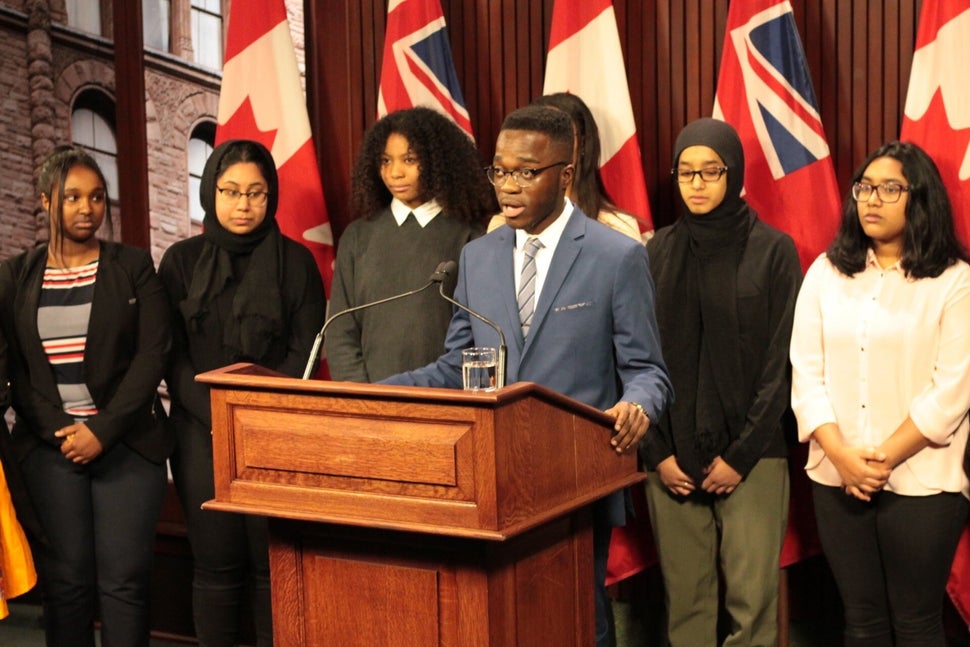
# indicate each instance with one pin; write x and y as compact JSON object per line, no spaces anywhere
{"x":438,"y":276}
{"x":447,"y":268}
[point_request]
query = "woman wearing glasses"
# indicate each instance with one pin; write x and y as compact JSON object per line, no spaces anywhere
{"x":880,"y":387}
{"x":239,"y":292}
{"x":718,"y":483}
{"x":419,"y":195}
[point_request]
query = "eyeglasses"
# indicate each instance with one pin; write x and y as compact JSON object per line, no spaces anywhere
{"x":522,"y":177}
{"x":888,"y":192}
{"x":256,"y":198}
{"x":709,"y":174}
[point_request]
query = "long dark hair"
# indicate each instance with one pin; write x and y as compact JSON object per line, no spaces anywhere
{"x":451,"y":168}
{"x":930,"y":244}
{"x":50,"y":182}
{"x":588,"y":189}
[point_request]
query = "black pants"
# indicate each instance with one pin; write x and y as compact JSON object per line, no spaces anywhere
{"x":891,"y":558}
{"x":100,"y":523}
{"x":604,"y":610}
{"x":230,"y":552}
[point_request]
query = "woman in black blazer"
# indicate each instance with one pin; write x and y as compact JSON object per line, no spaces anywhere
{"x":89,"y":336}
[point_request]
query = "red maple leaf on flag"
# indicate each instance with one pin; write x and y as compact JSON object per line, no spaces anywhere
{"x":244,"y":121}
{"x":947,"y":146}
{"x":262,"y":99}
{"x":937,"y":111}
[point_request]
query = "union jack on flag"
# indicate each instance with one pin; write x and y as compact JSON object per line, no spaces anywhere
{"x":417,"y":68}
{"x":765,"y":91}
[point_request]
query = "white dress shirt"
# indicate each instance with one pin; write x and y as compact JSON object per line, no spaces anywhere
{"x":423,"y":214}
{"x":869,"y":350}
{"x":549,"y":239}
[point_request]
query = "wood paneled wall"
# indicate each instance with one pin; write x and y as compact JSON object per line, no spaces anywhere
{"x":859,"y":53}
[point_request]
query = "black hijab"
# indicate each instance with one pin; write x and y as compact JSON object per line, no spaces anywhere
{"x":697,"y":309}
{"x":256,"y":317}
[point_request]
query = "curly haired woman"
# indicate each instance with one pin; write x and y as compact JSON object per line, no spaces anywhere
{"x":419,"y":194}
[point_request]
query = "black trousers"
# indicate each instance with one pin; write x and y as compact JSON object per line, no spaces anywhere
{"x":891,"y":558}
{"x":230,"y":552}
{"x":100,"y":523}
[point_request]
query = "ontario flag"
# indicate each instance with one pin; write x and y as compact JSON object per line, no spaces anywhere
{"x":937,"y":118}
{"x":765,"y":91}
{"x":585,"y":59}
{"x":262,"y":99}
{"x":417,"y":69}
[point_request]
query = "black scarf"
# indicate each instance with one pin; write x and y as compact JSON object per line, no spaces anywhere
{"x":256,"y":318}
{"x":697,"y":313}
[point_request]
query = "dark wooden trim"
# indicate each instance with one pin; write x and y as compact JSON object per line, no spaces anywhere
{"x":132,"y":136}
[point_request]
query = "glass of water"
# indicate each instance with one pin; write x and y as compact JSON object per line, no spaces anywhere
{"x":478,"y":369}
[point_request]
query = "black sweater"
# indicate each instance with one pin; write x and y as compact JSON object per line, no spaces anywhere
{"x":378,"y":259}
{"x":304,"y":304}
{"x":768,"y":280}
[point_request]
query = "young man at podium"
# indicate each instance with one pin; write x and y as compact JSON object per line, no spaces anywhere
{"x":574,"y":298}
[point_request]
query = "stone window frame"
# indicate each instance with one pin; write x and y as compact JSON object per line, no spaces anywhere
{"x":196,"y":154}
{"x":200,"y":13}
{"x":104,"y":146}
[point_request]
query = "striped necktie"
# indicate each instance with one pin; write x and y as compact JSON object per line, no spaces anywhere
{"x":527,"y":284}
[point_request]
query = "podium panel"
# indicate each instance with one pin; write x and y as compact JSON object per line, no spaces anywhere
{"x":359,"y":588}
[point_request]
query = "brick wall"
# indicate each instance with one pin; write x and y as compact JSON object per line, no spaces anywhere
{"x":17,"y":199}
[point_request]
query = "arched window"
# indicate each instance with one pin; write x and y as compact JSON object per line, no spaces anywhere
{"x":207,"y":33}
{"x":85,"y":15}
{"x":155,"y":18}
{"x":92,"y":127}
{"x":200,"y":147}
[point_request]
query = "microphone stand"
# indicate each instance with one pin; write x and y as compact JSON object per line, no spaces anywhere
{"x":502,"y":350}
{"x":318,"y":341}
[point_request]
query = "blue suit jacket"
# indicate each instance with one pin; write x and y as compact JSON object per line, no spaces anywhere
{"x":593,"y":337}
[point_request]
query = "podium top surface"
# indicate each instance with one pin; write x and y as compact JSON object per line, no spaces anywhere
{"x":253,"y":376}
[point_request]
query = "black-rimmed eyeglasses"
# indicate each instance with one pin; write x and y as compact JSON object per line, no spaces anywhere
{"x":256,"y":198}
{"x":888,"y":192}
{"x":709,"y":174}
{"x":523,"y":177}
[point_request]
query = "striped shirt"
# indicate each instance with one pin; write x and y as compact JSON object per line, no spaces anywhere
{"x":62,"y":322}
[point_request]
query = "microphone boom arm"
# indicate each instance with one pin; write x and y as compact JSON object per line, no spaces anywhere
{"x":318,"y":341}
{"x":502,"y":349}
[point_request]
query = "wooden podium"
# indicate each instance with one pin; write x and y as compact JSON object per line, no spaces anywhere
{"x":414,"y":516}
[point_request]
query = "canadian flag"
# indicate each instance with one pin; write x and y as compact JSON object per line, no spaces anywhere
{"x":417,"y":69}
{"x":937,"y":111}
{"x":262,"y":99}
{"x":585,"y":59}
{"x":937,"y":118}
